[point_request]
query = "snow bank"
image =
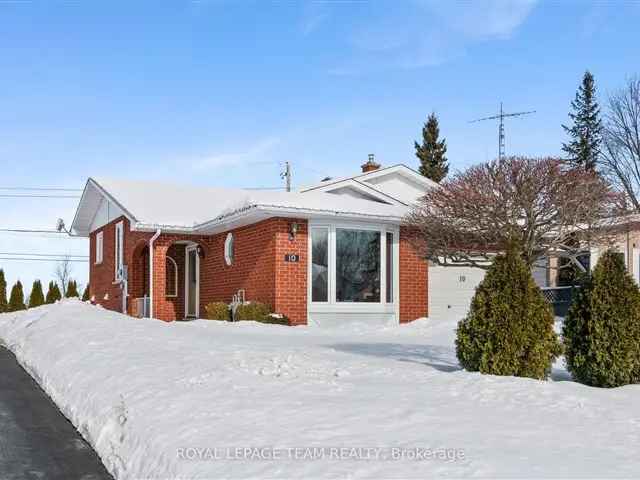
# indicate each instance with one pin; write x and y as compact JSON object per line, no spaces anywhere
{"x":178,"y":400}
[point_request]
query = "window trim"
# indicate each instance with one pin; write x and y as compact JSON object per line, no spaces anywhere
{"x":99,"y":248}
{"x":175,"y":270}
{"x":119,"y":250}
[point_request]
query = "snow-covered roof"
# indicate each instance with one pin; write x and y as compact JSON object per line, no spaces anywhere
{"x":192,"y":209}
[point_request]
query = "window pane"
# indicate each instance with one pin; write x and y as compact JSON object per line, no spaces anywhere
{"x":319,"y":265}
{"x":171,"y":283}
{"x":357,"y":266}
{"x":389,"y":267}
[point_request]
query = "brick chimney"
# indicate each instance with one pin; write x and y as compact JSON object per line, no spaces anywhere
{"x":370,"y":165}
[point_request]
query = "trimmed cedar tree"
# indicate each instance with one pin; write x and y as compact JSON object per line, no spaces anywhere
{"x":72,"y":289}
{"x":53,"y":294}
{"x":16,"y":300}
{"x":86,"y":295}
{"x":509,"y":328}
{"x":37,"y":297}
{"x":3,"y":293}
{"x":602,"y":329}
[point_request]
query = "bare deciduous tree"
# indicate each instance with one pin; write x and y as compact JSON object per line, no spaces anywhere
{"x":63,"y":274}
{"x":546,"y":209}
{"x":620,"y":158}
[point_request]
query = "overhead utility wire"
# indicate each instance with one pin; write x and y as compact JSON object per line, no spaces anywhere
{"x":45,"y":259}
{"x":44,"y":254}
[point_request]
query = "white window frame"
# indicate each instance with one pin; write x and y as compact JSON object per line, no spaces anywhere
{"x":119,"y":250}
{"x":334,"y":306}
{"x":229,"y":249}
{"x":175,"y":270}
{"x":99,"y":247}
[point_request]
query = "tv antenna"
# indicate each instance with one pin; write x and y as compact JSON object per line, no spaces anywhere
{"x":501,"y":116}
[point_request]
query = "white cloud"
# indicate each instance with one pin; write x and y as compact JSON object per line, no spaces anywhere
{"x":253,"y":153}
{"x":429,"y":32}
{"x":483,"y":18}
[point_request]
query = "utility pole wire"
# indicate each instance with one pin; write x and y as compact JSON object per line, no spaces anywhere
{"x":44,"y":259}
{"x":32,"y":195}
{"x":45,"y":254}
{"x":52,"y":189}
{"x":26,"y":230}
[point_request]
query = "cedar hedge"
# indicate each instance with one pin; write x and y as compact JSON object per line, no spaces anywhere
{"x":601,"y":332}
{"x":509,"y":327}
{"x":218,"y":311}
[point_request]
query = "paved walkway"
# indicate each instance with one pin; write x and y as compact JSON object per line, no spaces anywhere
{"x":36,"y":440}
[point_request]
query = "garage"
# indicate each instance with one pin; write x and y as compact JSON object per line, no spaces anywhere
{"x":451,"y":290}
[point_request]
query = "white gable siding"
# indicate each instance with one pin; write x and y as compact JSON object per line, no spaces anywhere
{"x":397,"y":186}
{"x":107,"y":212}
{"x":353,"y":193}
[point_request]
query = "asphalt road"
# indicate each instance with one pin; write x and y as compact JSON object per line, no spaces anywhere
{"x":36,"y":440}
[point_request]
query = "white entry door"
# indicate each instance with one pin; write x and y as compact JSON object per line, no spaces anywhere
{"x":192,"y":282}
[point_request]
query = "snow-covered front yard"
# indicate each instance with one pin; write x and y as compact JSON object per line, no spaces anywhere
{"x":206,"y":399}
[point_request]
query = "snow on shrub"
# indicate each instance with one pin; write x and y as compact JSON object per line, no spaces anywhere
{"x":602,"y":329}
{"x":218,"y":311}
{"x":509,"y":328}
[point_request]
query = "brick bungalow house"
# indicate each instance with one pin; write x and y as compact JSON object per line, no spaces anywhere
{"x":330,"y":253}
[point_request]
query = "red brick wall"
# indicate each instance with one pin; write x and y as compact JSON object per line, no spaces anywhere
{"x":259,"y":268}
{"x":413,"y":281}
{"x":291,"y":277}
{"x":102,"y":276}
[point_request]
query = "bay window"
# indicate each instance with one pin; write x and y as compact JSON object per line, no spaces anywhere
{"x":352,"y":265}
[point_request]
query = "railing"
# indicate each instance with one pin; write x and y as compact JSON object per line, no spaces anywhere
{"x":143,"y":307}
{"x":560,"y":298}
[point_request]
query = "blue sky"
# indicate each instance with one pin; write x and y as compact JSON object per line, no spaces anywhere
{"x":222,"y":92}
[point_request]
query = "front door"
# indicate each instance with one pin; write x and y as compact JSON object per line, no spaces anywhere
{"x":192,"y":283}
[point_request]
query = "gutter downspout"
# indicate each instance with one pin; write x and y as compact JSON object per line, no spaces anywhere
{"x":151,"y":240}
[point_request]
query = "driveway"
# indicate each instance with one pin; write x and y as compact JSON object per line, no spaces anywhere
{"x":36,"y":440}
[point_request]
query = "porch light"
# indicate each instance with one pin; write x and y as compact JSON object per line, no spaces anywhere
{"x":293,"y":230}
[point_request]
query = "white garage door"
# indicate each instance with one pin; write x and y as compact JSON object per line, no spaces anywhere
{"x":451,"y":290}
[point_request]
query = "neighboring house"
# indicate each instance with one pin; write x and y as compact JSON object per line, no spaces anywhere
{"x":328,"y":254}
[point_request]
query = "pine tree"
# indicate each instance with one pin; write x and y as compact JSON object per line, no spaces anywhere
{"x":72,"y":289}
{"x":86,"y":295}
{"x":509,"y":328}
{"x":16,"y":300}
{"x":433,"y":162}
{"x":602,"y":328}
{"x":53,"y":294}
{"x":3,"y":293}
{"x":36,"y":298}
{"x":585,"y":134}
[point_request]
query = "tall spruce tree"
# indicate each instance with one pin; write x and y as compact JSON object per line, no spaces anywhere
{"x":3,"y":292}
{"x":72,"y":289}
{"x":36,"y":298}
{"x":585,"y":134}
{"x":601,"y":332}
{"x":53,"y":294}
{"x":431,"y":153}
{"x":16,"y":300}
